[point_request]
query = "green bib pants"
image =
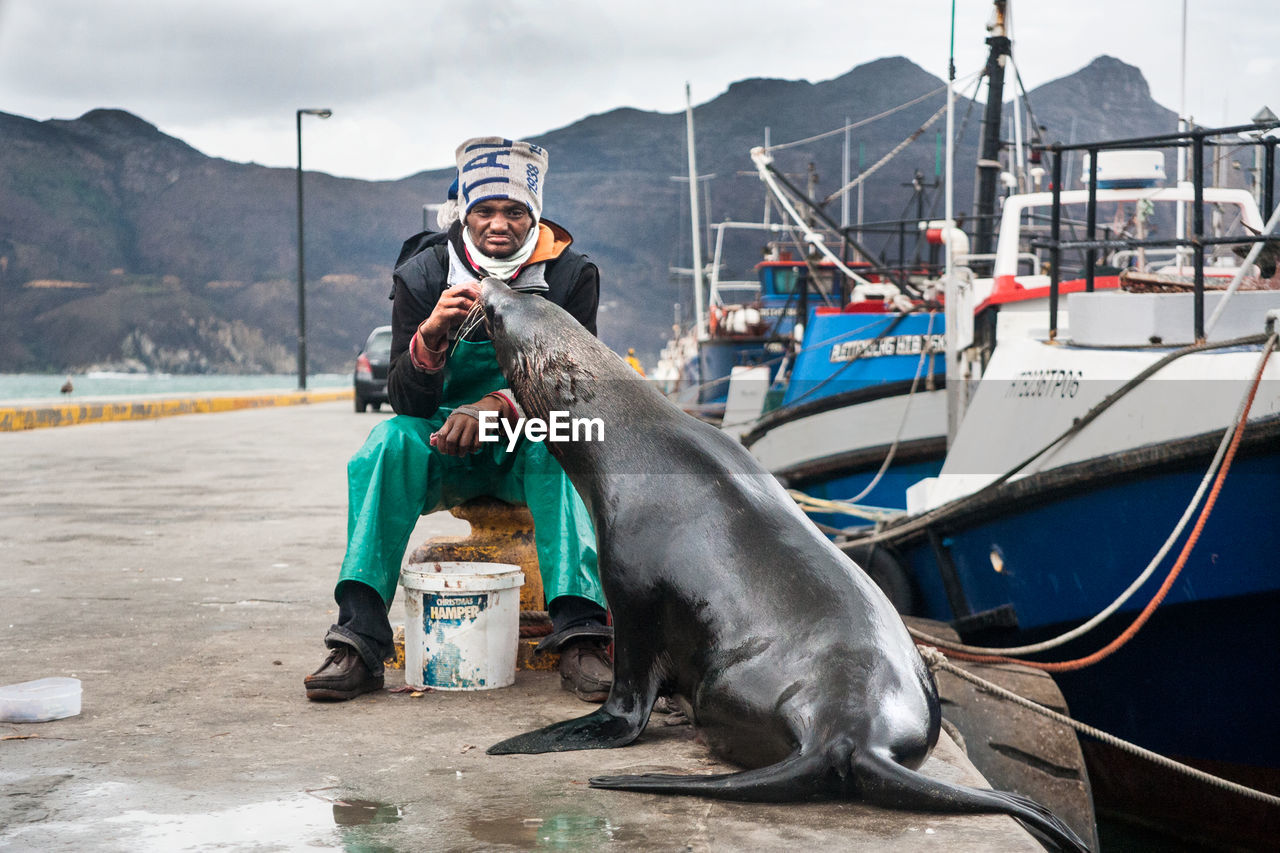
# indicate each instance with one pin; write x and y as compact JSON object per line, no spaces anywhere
{"x":397,"y":476}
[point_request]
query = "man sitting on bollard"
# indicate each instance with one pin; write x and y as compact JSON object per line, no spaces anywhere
{"x":429,"y":457}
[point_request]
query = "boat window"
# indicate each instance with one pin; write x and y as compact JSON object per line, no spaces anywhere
{"x":785,"y":279}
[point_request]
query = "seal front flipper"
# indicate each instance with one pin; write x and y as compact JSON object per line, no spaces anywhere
{"x":622,"y":717}
{"x":617,"y":722}
{"x":598,"y":730}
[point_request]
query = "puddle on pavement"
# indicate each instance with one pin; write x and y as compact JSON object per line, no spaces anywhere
{"x":313,"y":820}
{"x":554,"y":832}
{"x":350,"y":812}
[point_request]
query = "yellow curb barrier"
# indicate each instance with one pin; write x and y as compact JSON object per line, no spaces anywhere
{"x":39,"y":416}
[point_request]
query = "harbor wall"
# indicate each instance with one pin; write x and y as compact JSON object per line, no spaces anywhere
{"x":38,"y":415}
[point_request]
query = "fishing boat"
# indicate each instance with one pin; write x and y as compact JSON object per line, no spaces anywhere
{"x":875,"y":359}
{"x":738,"y":324}
{"x":1098,"y":422}
{"x":745,"y":324}
{"x":756,"y":329}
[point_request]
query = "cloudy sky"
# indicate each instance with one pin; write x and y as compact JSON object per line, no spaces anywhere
{"x":407,"y":80}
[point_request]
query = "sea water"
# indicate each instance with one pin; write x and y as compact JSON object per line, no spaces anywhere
{"x":96,"y":385}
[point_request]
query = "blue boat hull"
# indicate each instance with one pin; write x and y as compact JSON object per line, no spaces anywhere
{"x":1196,"y":681}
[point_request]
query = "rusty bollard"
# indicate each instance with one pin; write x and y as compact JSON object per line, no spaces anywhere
{"x":500,"y":533}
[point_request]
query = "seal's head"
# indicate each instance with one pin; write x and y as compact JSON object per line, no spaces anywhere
{"x":547,"y":357}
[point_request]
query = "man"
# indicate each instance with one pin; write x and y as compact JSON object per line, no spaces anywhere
{"x":634,"y":362}
{"x":443,"y":374}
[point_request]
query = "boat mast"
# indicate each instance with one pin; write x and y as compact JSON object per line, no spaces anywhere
{"x":845,"y":178}
{"x":989,"y":154}
{"x":951,"y":291}
{"x":1019,"y":158}
{"x":695,"y":218}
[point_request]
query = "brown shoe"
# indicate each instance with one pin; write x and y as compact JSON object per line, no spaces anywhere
{"x":586,"y":671}
{"x":343,"y":675}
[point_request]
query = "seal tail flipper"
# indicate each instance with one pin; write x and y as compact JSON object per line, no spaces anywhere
{"x":598,"y":730}
{"x":885,"y":782}
{"x":794,"y":778}
{"x":880,"y":779}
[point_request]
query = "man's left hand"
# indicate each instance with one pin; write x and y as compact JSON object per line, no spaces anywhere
{"x":460,"y":433}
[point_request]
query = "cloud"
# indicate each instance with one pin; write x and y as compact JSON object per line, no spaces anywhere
{"x":406,"y":79}
{"x":1261,"y":66}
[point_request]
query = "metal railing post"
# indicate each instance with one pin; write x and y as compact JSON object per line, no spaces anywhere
{"x":902,"y":252}
{"x":1091,"y":221}
{"x":1197,"y":229}
{"x":302,"y":276}
{"x":1268,"y":176}
{"x":1055,"y":253}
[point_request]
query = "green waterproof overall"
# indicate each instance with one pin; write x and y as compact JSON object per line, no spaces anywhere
{"x":397,"y":476}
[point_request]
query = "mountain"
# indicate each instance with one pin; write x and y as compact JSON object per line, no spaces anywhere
{"x":121,"y":246}
{"x":1121,"y":101}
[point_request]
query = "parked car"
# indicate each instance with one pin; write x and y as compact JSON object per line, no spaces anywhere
{"x":372,"y":363}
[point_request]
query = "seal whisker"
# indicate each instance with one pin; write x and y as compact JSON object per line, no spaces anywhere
{"x":474,"y":317}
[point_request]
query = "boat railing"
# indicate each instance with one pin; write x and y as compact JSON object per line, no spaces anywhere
{"x":1031,"y":259}
{"x":726,"y":293}
{"x":1196,"y":243}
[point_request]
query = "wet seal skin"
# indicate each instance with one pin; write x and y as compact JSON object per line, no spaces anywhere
{"x":786,"y":655}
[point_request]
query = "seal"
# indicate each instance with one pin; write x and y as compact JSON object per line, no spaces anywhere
{"x":786,"y":656}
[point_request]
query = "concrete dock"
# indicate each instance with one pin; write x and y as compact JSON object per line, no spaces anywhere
{"x":182,"y":568}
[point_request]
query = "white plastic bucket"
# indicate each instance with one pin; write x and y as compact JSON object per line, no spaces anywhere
{"x":462,"y":625}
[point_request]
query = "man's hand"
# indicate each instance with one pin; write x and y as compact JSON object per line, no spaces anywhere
{"x":451,"y":308}
{"x":460,"y":433}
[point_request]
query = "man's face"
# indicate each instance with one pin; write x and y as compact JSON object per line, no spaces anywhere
{"x":498,"y":226}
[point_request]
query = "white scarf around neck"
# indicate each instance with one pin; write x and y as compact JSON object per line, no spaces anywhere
{"x":503,"y":268}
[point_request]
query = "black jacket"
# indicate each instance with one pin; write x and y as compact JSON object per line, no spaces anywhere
{"x":420,"y":277}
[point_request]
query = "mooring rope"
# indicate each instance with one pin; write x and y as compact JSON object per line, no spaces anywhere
{"x":808,"y":503}
{"x":937,"y":660}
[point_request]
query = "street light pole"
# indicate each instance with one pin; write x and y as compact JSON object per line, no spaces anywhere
{"x":302,"y":274}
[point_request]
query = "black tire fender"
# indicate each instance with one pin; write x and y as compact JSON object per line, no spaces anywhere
{"x":884,"y":567}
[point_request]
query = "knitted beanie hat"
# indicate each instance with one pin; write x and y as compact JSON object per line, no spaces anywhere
{"x":493,"y":167}
{"x":447,"y":213}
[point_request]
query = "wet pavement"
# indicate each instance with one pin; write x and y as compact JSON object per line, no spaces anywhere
{"x":182,"y":569}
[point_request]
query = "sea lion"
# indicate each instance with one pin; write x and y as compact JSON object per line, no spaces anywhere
{"x":786,"y":656}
